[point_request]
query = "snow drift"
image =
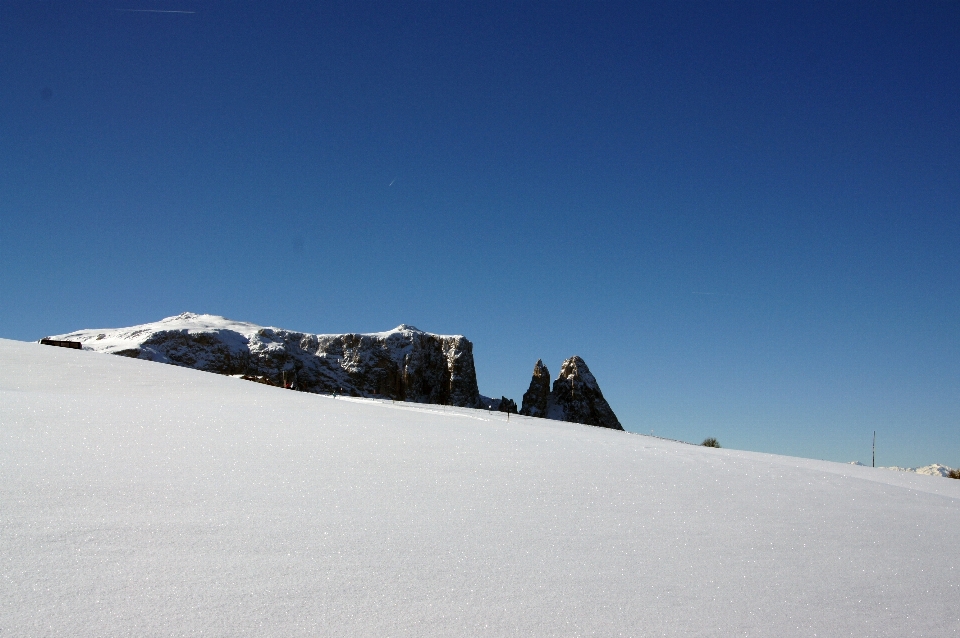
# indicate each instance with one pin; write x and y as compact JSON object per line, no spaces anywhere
{"x":148,"y":500}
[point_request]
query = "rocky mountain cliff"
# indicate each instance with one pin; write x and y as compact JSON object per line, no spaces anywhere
{"x":536,"y":398}
{"x":403,"y":364}
{"x":575,"y":396}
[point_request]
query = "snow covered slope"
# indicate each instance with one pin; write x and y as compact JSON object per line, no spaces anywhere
{"x":145,"y":500}
{"x":405,"y":364}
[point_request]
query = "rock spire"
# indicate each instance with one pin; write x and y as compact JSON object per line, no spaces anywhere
{"x":576,"y":397}
{"x":535,"y":399}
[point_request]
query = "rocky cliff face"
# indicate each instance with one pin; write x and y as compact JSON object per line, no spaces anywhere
{"x":404,"y":364}
{"x":535,"y":399}
{"x":575,"y":396}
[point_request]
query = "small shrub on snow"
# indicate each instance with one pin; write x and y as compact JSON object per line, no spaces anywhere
{"x":710,"y":442}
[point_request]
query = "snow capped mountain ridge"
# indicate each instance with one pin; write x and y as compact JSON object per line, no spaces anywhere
{"x":404,"y":363}
{"x":194,"y":323}
{"x":934,"y":469}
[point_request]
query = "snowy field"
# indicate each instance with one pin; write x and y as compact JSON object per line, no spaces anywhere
{"x":141,"y":499}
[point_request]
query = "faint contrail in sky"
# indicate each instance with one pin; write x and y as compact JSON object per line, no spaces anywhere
{"x":705,"y":293}
{"x":154,"y":11}
{"x":394,"y":179}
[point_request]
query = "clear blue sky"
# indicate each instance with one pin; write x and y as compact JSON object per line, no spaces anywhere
{"x":744,"y":216}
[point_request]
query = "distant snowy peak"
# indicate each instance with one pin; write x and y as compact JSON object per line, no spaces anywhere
{"x":934,"y":469}
{"x":117,"y":340}
{"x":405,"y":328}
{"x":193,"y":322}
{"x":405,"y":363}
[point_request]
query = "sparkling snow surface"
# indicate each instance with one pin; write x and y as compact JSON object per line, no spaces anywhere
{"x":141,"y":499}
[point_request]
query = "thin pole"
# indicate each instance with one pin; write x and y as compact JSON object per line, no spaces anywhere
{"x":874,"y":448}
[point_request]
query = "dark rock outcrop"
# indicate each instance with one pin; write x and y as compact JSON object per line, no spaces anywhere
{"x":404,"y":364}
{"x":535,"y":399}
{"x":507,"y":405}
{"x":489,"y":403}
{"x":576,"y":397}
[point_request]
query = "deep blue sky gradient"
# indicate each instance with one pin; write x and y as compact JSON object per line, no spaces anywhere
{"x":745,"y":217}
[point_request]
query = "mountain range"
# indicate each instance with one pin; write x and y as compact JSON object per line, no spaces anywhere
{"x":403,"y":364}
